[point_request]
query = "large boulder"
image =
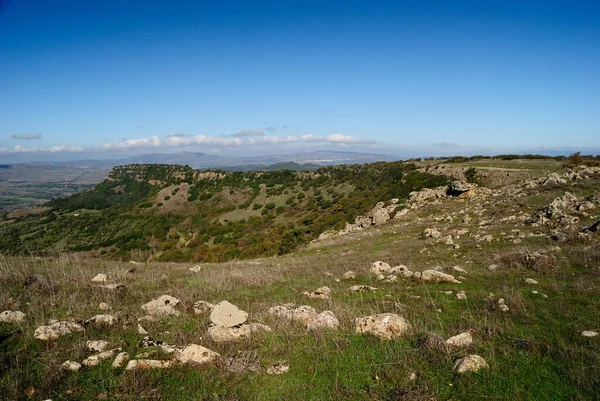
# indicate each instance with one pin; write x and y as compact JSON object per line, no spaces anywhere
{"x":324,"y":320}
{"x":386,"y":326}
{"x":197,"y":355}
{"x":162,"y":306}
{"x":380,"y":216}
{"x":9,"y":316}
{"x":380,"y":267}
{"x":302,"y":314}
{"x":470,"y":363}
{"x":56,"y":330}
{"x":221,"y":334}
{"x":225,"y":314}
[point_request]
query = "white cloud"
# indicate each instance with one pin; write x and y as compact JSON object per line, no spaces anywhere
{"x":152,"y":142}
{"x":273,"y":140}
{"x":346,"y":139}
{"x":446,"y":144}
{"x":249,"y":132}
{"x":26,"y":136}
{"x":312,"y":138}
{"x":37,"y":149}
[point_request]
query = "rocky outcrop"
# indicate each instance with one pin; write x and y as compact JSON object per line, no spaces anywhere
{"x":162,"y":306}
{"x":385,"y":326}
{"x":197,"y":355}
{"x":301,"y":314}
{"x":438,"y":277}
{"x":225,"y":314}
{"x":9,"y":316}
{"x":324,"y":320}
{"x":95,"y":360}
{"x":103,"y":320}
{"x":221,"y":334}
{"x":470,"y":363}
{"x":461,"y":340}
{"x":57,"y":329}
{"x":319,"y":293}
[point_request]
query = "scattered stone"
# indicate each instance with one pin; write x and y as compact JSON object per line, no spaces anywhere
{"x":450,"y":292}
{"x":438,"y":277}
{"x":103,"y":320}
{"x":95,"y":360}
{"x":302,"y":314}
{"x":9,"y":316}
{"x":96,"y":345}
{"x":236,"y":364}
{"x":162,"y":306}
{"x":226,"y":314}
{"x":139,"y":364}
{"x":458,"y":269}
{"x":196,"y":269}
{"x":197,"y":355}
{"x":278,"y":368}
{"x":461,"y":295}
{"x":349,"y":275}
{"x":412,"y":376}
{"x":324,"y":320}
{"x":71,"y":366}
{"x":221,"y":334}
{"x":589,"y":333}
{"x":380,"y":267}
{"x":447,"y":240}
{"x":492,"y":267}
{"x":203,"y":307}
{"x":112,"y":287}
{"x":432,"y":232}
{"x":100,"y":278}
{"x":120,"y":360}
{"x":319,"y":293}
{"x":149,"y":342}
{"x":141,"y":330}
{"x":470,"y":363}
{"x":464,"y":339}
{"x":385,"y":326}
{"x":390,"y":279}
{"x":362,"y":288}
{"x":56,"y":330}
{"x":104,"y":306}
{"x":530,"y":281}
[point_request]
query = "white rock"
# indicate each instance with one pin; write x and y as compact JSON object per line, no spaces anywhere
{"x":139,"y":364}
{"x":71,"y":366}
{"x":197,"y":355}
{"x":141,"y":330}
{"x":162,"y":306}
{"x":57,"y":329}
{"x":380,"y":267}
{"x":530,"y":281}
{"x":196,"y":269}
{"x":94,"y":360}
{"x":112,"y":287}
{"x":324,"y":320}
{"x":438,"y":277}
{"x":470,"y":363}
{"x":386,"y":326}
{"x":278,"y":368}
{"x":361,"y":288}
{"x":302,"y":314}
{"x":492,"y":267}
{"x":226,"y":314}
{"x":221,"y":334}
{"x":203,"y":308}
{"x":96,"y":345}
{"x":9,"y":316}
{"x":464,"y":339}
{"x":458,"y":269}
{"x":589,"y":333}
{"x":319,"y":293}
{"x":100,"y":278}
{"x":401,"y":270}
{"x":349,"y":275}
{"x":104,"y":306}
{"x":461,"y":295}
{"x":103,"y":320}
{"x":120,"y":360}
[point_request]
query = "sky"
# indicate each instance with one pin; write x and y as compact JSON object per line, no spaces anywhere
{"x":113,"y":78}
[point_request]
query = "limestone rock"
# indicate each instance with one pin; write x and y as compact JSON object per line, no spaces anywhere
{"x":432,"y":232}
{"x":530,"y":281}
{"x":361,"y":288}
{"x":458,"y":269}
{"x":203,"y":307}
{"x":96,"y":345}
{"x":278,"y":368}
{"x":221,"y":334}
{"x":104,"y":306}
{"x":589,"y":333}
{"x":447,"y":240}
{"x":196,"y":269}
{"x":319,"y":293}
{"x":464,"y":339}
{"x":438,"y":277}
{"x":112,"y":286}
{"x":162,"y":306}
{"x":9,"y":316}
{"x":461,"y":295}
{"x":103,"y":320}
{"x":349,"y":275}
{"x":380,"y":267}
{"x":470,"y":363}
{"x":56,"y":330}
{"x":302,"y":314}
{"x":401,"y":270}
{"x":226,"y":314}
{"x":71,"y":366}
{"x":95,"y":360}
{"x":380,"y":216}
{"x":100,"y":278}
{"x":141,"y":330}
{"x":385,"y":326}
{"x":120,"y":360}
{"x":138,"y":364}
{"x":197,"y":355}
{"x":324,"y":320}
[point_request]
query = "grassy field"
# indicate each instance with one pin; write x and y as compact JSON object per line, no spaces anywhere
{"x":535,"y":350}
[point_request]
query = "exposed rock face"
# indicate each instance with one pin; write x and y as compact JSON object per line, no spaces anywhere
{"x":427,"y":194}
{"x":56,"y":330}
{"x":120,"y":360}
{"x":380,"y":267}
{"x":100,"y":278}
{"x":302,"y":314}
{"x":319,"y":293}
{"x":470,"y":363}
{"x":71,"y":366}
{"x":464,"y":339}
{"x":203,"y":308}
{"x":438,"y":277}
{"x":95,"y":360}
{"x":103,"y":320}
{"x":278,"y":368}
{"x":461,"y":188}
{"x":377,"y":216}
{"x":138,"y":364}
{"x":324,"y":320}
{"x":226,"y":314}
{"x":220,"y":334}
{"x":362,"y":288}
{"x":162,"y":306}
{"x":385,"y":326}
{"x":9,"y":316}
{"x":197,"y":355}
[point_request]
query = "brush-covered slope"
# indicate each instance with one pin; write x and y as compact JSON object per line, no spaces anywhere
{"x":175,"y":213}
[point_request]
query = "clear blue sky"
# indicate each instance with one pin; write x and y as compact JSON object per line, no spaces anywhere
{"x":100,"y":78}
